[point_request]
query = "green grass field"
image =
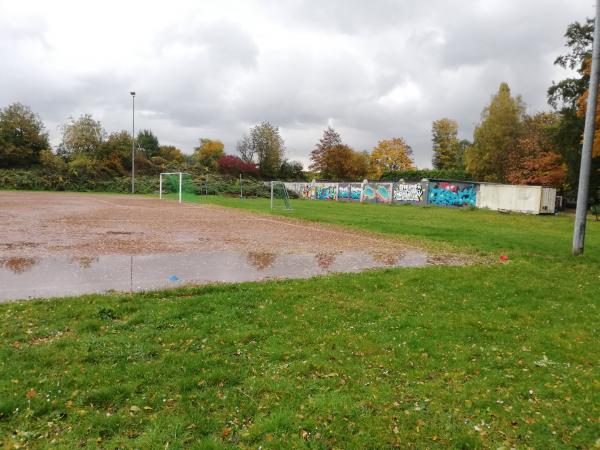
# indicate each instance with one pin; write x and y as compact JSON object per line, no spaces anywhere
{"x":491,"y":355}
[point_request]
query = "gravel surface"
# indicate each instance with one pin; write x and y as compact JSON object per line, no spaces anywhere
{"x":38,"y":224}
{"x":85,"y":225}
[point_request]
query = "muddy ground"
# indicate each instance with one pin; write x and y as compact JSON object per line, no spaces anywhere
{"x":39,"y":224}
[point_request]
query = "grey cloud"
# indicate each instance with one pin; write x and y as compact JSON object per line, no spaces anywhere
{"x":373,"y":70}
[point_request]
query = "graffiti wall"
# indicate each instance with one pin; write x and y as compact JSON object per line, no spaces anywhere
{"x":326,"y":191}
{"x":408,"y":193}
{"x":343,"y":192}
{"x":356,"y":192}
{"x":306,"y":191}
{"x":383,"y":194}
{"x":444,"y":193}
{"x":369,"y":193}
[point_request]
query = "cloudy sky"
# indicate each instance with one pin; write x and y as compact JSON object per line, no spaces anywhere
{"x":371,"y":69}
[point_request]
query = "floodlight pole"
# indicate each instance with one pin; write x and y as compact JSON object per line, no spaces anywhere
{"x":271,"y":195}
{"x":241,"y":191}
{"x":132,"y":142}
{"x":588,"y":142}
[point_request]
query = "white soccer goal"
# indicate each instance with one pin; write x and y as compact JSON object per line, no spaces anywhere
{"x":279,"y":192}
{"x":179,"y":179}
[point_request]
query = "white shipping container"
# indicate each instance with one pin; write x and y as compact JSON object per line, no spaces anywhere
{"x":525,"y":199}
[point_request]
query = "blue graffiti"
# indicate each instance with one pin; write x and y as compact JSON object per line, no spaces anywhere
{"x":452,"y":194}
{"x":369,"y":194}
{"x":344,"y":192}
{"x":325,"y":193}
{"x":355,"y":192}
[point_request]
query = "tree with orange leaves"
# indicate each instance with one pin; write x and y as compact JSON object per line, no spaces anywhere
{"x":535,"y":159}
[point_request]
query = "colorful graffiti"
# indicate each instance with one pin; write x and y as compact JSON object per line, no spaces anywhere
{"x":355,"y":192}
{"x":383,"y":193}
{"x":344,"y":192}
{"x":452,"y":194}
{"x":368,"y":194}
{"x":306,"y":191}
{"x":408,"y":192}
{"x":325,"y":192}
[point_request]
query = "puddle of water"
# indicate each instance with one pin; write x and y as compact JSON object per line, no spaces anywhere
{"x":22,"y":278}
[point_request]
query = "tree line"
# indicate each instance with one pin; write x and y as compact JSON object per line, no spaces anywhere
{"x":508,"y":145}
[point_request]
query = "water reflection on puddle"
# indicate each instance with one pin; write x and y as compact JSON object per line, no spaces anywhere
{"x":25,"y":277}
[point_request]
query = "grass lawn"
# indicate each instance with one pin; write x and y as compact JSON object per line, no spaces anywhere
{"x":496,"y":355}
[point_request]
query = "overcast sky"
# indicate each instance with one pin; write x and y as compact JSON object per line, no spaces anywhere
{"x":372,"y":69}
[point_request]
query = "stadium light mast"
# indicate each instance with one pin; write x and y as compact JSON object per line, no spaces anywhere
{"x":133,"y":141}
{"x":588,"y":141}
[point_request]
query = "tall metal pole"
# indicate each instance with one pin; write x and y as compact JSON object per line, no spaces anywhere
{"x":133,"y":143}
{"x":588,"y":142}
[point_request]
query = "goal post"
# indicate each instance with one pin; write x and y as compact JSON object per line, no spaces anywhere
{"x":280,"y":192}
{"x":170,"y":182}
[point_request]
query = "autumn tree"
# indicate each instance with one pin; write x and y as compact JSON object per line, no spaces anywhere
{"x":81,"y":137}
{"x":115,"y":150}
{"x":535,"y":159}
{"x":447,"y":152}
{"x":235,"y":166}
{"x":569,"y":98}
{"x":595,"y":172}
{"x":390,"y":155}
{"x":148,"y":143}
{"x":330,"y":139}
{"x":171,"y":153}
{"x":341,"y":162}
{"x":22,"y":136}
{"x":263,"y":146}
{"x":208,"y":153}
{"x":495,"y":137}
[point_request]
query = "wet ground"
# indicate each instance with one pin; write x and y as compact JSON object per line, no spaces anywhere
{"x":28,"y":277}
{"x":58,"y":244}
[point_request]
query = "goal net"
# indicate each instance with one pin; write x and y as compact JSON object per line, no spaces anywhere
{"x":177,"y":185}
{"x":280,"y":198}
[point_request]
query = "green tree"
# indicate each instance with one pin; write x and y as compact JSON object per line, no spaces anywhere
{"x":264,"y":145}
{"x":291,"y":170}
{"x":208,"y":153}
{"x":446,"y":146}
{"x":148,"y":143}
{"x":567,"y":97}
{"x":496,"y":136}
{"x":22,"y":136}
{"x":83,"y":136}
{"x":115,"y":151}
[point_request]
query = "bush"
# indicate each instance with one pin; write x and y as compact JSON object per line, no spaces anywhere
{"x":40,"y":179}
{"x":222,"y":185}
